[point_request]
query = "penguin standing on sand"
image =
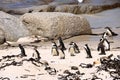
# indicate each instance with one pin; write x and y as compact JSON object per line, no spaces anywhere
{"x":87,"y":49}
{"x":72,"y":49}
{"x":62,"y":54}
{"x":105,"y":41}
{"x":36,"y":54}
{"x":106,"y":44}
{"x":101,"y":47}
{"x":76,"y":47}
{"x":54,"y":50}
{"x":110,"y":32}
{"x":22,"y":51}
{"x":61,"y":44}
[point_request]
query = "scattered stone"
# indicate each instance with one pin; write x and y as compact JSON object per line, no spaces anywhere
{"x":74,"y":68}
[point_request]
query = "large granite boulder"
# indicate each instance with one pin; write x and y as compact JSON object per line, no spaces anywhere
{"x":2,"y":36}
{"x":41,"y":8}
{"x":61,"y":2}
{"x":101,"y":2}
{"x":54,"y":24}
{"x":12,"y":27}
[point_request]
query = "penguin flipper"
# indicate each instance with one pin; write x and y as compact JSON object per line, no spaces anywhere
{"x":114,"y":34}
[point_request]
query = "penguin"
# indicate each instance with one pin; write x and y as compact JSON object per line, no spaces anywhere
{"x":110,"y":32}
{"x":54,"y":50}
{"x":61,"y":54}
{"x":88,"y":51}
{"x":105,"y":35}
{"x":22,"y":51}
{"x":72,"y":49}
{"x":61,"y":44}
{"x":101,"y":47}
{"x":106,"y":44}
{"x":36,"y":54}
{"x":76,"y":47}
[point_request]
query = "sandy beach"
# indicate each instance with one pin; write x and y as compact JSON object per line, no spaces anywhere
{"x":29,"y":71}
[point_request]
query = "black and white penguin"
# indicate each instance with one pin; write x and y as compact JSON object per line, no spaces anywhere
{"x":76,"y":47}
{"x":72,"y":49}
{"x":105,"y":35}
{"x":106,"y":44}
{"x":54,"y":50}
{"x":61,"y":54}
{"x":101,"y":47}
{"x":110,"y":32}
{"x":36,"y":54}
{"x":61,"y":44}
{"x":88,"y":51}
{"x":22,"y":51}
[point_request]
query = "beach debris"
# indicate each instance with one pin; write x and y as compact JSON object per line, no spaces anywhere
{"x":94,"y":77}
{"x":110,"y":65}
{"x":74,"y":68}
{"x":83,"y":65}
{"x":4,"y":78}
{"x":51,"y":71}
{"x":73,"y":74}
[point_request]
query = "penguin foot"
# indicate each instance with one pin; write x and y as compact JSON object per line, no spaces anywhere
{"x":62,"y":58}
{"x":72,"y":55}
{"x":88,"y":57}
{"x":102,"y":54}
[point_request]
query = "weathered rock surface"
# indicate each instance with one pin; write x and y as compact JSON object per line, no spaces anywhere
{"x":72,"y":6}
{"x":20,"y":11}
{"x":61,"y":2}
{"x":85,"y":8}
{"x":2,"y":36}
{"x":12,"y":27}
{"x":101,"y":2}
{"x":54,"y":24}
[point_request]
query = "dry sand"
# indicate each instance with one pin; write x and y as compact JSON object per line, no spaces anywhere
{"x":29,"y":71}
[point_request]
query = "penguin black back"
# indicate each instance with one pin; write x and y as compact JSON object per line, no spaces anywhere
{"x":101,"y":47}
{"x":22,"y":50}
{"x":87,"y":49}
{"x":61,"y":44}
{"x":38,"y":54}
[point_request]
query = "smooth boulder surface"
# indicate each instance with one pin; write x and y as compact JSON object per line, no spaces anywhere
{"x":12,"y":26}
{"x":2,"y":36}
{"x":61,"y":2}
{"x":101,"y":2}
{"x":55,"y":24}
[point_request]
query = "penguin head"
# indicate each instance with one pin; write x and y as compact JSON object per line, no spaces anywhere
{"x":53,"y":44}
{"x":105,"y":35}
{"x":71,"y":43}
{"x":86,"y":45}
{"x":107,"y":27}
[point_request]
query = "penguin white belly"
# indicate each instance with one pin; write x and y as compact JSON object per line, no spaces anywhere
{"x":54,"y":52}
{"x":62,"y":55}
{"x":106,"y":45}
{"x":72,"y":51}
{"x":34,"y":55}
